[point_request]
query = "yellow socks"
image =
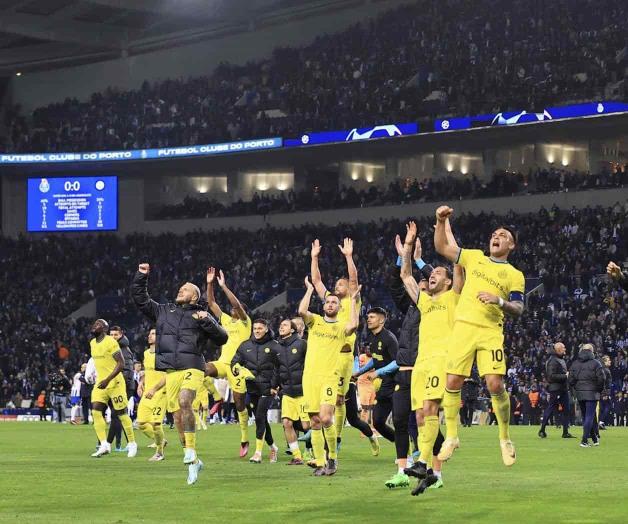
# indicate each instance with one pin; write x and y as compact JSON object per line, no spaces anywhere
{"x":243,"y":419}
{"x":451,"y":407}
{"x":330,"y":438}
{"x":259,"y":445}
{"x":100,"y":426}
{"x":429,"y":432}
{"x":159,"y":438}
{"x":340,"y":415}
{"x":147,"y":429}
{"x":190,"y":439}
{"x":127,"y":426}
{"x":501,"y":406}
{"x":318,"y":444}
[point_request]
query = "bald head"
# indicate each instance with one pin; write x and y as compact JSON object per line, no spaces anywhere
{"x":560,"y":349}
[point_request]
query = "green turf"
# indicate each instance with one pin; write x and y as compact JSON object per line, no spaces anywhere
{"x":47,"y":475}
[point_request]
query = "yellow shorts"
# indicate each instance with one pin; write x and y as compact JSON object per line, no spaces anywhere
{"x":114,"y":392}
{"x":153,"y":410}
{"x":181,"y":379}
{"x":428,"y":380}
{"x":319,"y":389}
{"x":470,"y":342}
{"x":293,"y":408}
{"x":345,"y":370}
{"x":237,"y":384}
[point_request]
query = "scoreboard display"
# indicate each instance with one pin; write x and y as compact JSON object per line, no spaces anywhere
{"x":72,"y":204}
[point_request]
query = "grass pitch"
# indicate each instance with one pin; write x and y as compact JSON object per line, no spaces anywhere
{"x":47,"y":475}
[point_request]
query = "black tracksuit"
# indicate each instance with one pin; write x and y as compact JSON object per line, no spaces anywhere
{"x":260,"y":358}
{"x":290,"y":358}
{"x":181,"y":338}
{"x":383,"y":348}
{"x":557,"y":387}
{"x":403,"y":416}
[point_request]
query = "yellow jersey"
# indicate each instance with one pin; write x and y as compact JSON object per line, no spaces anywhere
{"x":437,"y":321}
{"x":102,"y":352}
{"x":152,"y":377}
{"x":324,"y":342}
{"x":344,"y":316}
{"x":484,"y":274}
{"x":238,"y":331}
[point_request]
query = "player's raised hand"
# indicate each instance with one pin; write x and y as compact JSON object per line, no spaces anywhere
{"x":221,"y":279}
{"x":316,"y":249}
{"x":613,"y":271}
{"x":487,"y":298}
{"x":356,"y":294}
{"x":411,"y":232}
{"x":211,"y":275}
{"x":418,"y":250}
{"x":347,"y":247}
{"x":443,"y":213}
{"x":398,"y":245}
{"x":144,"y":268}
{"x":308,"y":284}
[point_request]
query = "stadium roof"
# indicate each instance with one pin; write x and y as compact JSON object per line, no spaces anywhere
{"x":47,"y":34}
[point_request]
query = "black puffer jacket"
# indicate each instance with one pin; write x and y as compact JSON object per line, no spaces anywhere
{"x":556,"y":373}
{"x":586,"y":376}
{"x":259,"y":357}
{"x":181,"y":338}
{"x":290,"y":355}
{"x":409,"y":332}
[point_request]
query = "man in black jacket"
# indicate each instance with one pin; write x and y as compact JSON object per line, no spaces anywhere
{"x":403,"y":414}
{"x":556,"y":376}
{"x":290,"y":356}
{"x":183,"y":329}
{"x":605,"y":400}
{"x":586,"y":376}
{"x":258,"y":355}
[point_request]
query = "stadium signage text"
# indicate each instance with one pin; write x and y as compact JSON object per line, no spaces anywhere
{"x":142,"y":154}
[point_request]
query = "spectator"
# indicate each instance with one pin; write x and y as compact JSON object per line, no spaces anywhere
{"x":41,"y":404}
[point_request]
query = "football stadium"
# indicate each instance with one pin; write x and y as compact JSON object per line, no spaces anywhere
{"x":318,"y":261}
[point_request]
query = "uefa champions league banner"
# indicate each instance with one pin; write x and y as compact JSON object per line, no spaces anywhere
{"x":143,"y":154}
{"x":353,"y":135}
{"x":521,"y":117}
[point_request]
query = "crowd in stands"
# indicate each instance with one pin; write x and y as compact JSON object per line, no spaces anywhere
{"x":421,"y":60}
{"x":408,"y":191}
{"x":564,"y":250}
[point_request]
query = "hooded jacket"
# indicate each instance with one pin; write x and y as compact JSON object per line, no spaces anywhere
{"x":586,"y":376}
{"x":290,"y":356}
{"x":181,"y":338}
{"x":260,"y":358}
{"x":556,"y":373}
